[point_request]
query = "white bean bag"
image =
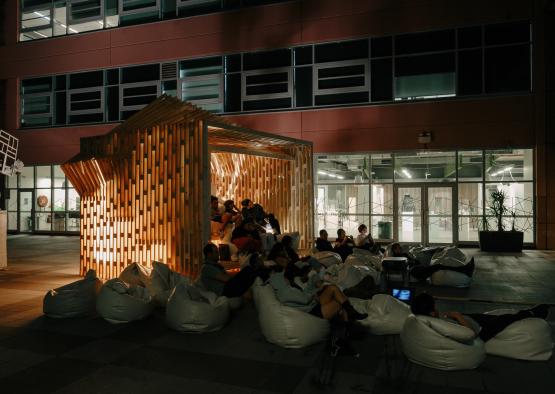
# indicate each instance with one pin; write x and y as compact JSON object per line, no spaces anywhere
{"x":527,"y":339}
{"x":118,"y":302}
{"x":440,"y":344}
{"x":190,"y":309}
{"x":348,"y":275}
{"x":452,"y":257}
{"x":234,"y":302}
{"x":386,"y":314}
{"x":327,"y":258}
{"x":163,"y":281}
{"x":424,"y":254}
{"x":296,"y":239}
{"x":74,"y":299}
{"x":285,"y":326}
{"x":364,"y":257}
{"x":136,"y":275}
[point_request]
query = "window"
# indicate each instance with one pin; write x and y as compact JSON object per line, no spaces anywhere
{"x":85,"y":98}
{"x":43,"y":202}
{"x":36,"y":102}
{"x":344,"y":198}
{"x":341,"y":73}
{"x":139,"y":87}
{"x":201,"y":83}
{"x":36,"y":20}
{"x":85,"y":15}
{"x":138,"y":11}
{"x":425,"y":167}
{"x":266,"y":80}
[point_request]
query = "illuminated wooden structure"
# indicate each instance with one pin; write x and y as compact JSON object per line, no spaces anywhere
{"x":145,"y":186}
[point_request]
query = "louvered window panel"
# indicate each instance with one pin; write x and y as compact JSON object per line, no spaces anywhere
{"x":36,"y":102}
{"x":136,"y":96}
{"x":80,"y":11}
{"x":202,"y":83}
{"x":169,"y":71}
{"x":85,"y":105}
{"x":130,"y":7}
{"x":266,"y":84}
{"x":341,"y":77}
{"x":186,"y":6}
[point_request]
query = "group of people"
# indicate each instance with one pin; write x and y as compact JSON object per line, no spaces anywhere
{"x":283,"y":270}
{"x":242,"y":227}
{"x":345,"y":244}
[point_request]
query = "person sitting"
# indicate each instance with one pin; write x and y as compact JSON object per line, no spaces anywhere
{"x":484,"y":326}
{"x":274,"y":223}
{"x":365,"y":241}
{"x":253,"y":211}
{"x":343,"y":244}
{"x":421,"y":272}
{"x":215,"y":212}
{"x":230,"y":217}
{"x":322,"y":243}
{"x":246,"y":237}
{"x":216,"y":279}
{"x":287,"y":242}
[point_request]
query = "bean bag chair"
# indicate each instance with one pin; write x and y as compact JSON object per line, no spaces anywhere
{"x":285,"y":326}
{"x":295,"y":236}
{"x":349,"y":274}
{"x":327,"y":258}
{"x":386,"y":314}
{"x":136,"y":275}
{"x":163,"y":281}
{"x":74,"y":299}
{"x":364,"y":257}
{"x":452,"y":257}
{"x":423,"y":254}
{"x":119,"y":302}
{"x":527,"y":339}
{"x":190,"y":309}
{"x":234,"y":302}
{"x":440,"y":344}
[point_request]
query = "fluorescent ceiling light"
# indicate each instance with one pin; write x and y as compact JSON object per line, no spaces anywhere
{"x":407,"y":173}
{"x":506,"y":169}
{"x":326,"y":173}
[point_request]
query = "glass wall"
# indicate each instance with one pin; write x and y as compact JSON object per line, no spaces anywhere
{"x":362,"y":188}
{"x":370,"y":70}
{"x":41,"y":199}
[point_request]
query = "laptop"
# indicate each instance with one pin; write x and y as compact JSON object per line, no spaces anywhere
{"x":404,"y":294}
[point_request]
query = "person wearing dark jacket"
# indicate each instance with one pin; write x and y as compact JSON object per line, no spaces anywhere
{"x":322,"y":243}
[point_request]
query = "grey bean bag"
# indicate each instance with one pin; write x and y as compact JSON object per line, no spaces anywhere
{"x":74,"y":299}
{"x":119,"y":302}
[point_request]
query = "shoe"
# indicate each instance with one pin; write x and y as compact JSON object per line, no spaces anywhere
{"x":352,"y":313}
{"x":540,"y":311}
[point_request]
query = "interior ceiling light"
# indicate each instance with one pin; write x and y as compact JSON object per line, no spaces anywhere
{"x":326,"y":173}
{"x":506,"y":169}
{"x":407,"y":173}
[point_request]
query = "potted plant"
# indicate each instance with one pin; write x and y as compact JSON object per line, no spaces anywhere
{"x":500,"y":240}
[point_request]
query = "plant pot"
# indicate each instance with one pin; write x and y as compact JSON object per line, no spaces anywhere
{"x":501,"y":241}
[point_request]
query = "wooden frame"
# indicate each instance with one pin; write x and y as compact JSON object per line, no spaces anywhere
{"x":145,"y":186}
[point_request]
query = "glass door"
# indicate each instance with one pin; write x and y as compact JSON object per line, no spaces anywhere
{"x":439,"y":215}
{"x":424,"y":214}
{"x":26,"y":210}
{"x":409,"y":214}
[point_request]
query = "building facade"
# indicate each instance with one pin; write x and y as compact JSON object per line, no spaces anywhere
{"x":417,"y":110}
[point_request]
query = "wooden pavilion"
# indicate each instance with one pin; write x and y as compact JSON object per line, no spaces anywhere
{"x":145,"y":186}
